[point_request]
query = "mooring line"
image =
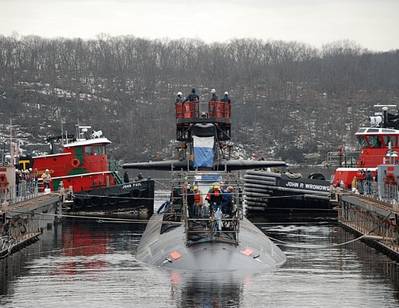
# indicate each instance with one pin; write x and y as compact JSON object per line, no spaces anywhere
{"x":99,"y":219}
{"x":287,"y":244}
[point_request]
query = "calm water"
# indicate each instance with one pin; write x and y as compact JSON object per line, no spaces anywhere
{"x":89,"y":264}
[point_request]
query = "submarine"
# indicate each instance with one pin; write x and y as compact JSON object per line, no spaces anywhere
{"x":189,"y":232}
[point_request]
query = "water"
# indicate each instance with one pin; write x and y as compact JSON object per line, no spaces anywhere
{"x":89,"y":264}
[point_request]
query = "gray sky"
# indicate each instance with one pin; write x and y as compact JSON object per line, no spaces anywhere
{"x":374,"y":24}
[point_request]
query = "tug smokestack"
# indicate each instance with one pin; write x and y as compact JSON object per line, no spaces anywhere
{"x":385,"y":115}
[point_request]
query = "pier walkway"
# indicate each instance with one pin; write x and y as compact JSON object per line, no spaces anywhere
{"x":40,"y":201}
{"x":21,"y":223}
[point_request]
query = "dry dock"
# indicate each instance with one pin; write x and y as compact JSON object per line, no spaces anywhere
{"x":377,"y":221}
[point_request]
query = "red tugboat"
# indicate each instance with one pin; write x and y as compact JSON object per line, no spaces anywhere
{"x":376,"y":141}
{"x":83,"y":165}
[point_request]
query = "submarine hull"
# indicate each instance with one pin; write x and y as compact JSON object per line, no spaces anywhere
{"x":255,"y":252}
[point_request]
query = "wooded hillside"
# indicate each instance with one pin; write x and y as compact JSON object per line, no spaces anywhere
{"x":289,"y":98}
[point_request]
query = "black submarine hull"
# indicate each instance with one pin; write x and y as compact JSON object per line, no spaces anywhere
{"x":255,"y":252}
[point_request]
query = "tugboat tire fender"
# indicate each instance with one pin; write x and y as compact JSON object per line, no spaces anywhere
{"x":264,"y":174}
{"x":256,"y":194}
{"x":257,"y":201}
{"x":257,"y":190}
{"x":259,"y":180}
{"x":258,"y":187}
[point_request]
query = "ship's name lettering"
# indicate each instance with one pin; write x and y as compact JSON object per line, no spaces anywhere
{"x":292,"y":184}
{"x":317,"y":187}
{"x":126,"y":186}
{"x":307,"y":186}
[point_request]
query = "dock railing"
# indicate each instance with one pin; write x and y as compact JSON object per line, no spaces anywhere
{"x":200,"y":230}
{"x":203,"y":224}
{"x":23,"y":191}
{"x":375,"y":219}
{"x":386,"y":193}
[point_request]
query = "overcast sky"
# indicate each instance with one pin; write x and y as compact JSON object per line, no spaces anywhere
{"x":374,"y":24}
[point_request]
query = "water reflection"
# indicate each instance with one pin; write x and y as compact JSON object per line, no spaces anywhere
{"x":80,"y":240}
{"x":85,"y":264}
{"x":374,"y":265}
{"x":330,"y":277}
{"x":15,"y":265}
{"x":200,"y":290}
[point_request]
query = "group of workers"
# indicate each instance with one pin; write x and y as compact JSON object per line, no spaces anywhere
{"x":362,"y":183}
{"x":26,"y":180}
{"x":219,"y":199}
{"x":193,"y":97}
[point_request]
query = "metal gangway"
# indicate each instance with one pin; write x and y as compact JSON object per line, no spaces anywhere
{"x":201,"y":223}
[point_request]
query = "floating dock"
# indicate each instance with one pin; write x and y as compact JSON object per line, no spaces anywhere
{"x":375,"y":220}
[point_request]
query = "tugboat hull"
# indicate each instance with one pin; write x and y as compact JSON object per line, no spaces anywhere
{"x":128,"y":196}
{"x":277,"y":192}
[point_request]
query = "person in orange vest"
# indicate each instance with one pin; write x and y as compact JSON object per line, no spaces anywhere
{"x":197,"y":202}
{"x":214,"y":198}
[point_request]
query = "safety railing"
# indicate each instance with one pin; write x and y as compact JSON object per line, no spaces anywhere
{"x":387,"y":193}
{"x":201,"y":222}
{"x":199,"y":230}
{"x":23,"y":191}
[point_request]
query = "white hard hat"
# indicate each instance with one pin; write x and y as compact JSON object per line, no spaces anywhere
{"x":47,"y":170}
{"x":179,"y":94}
{"x":213,"y":91}
{"x":226,"y":93}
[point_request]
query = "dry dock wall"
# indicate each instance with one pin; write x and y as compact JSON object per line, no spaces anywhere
{"x":375,"y":220}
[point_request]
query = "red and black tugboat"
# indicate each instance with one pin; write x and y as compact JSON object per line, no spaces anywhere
{"x":376,"y":142}
{"x":83,"y":165}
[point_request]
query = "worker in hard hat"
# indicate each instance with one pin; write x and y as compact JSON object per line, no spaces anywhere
{"x":214,"y":97}
{"x":179,"y":97}
{"x":214,"y":198}
{"x":226,"y":98}
{"x":46,"y":177}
